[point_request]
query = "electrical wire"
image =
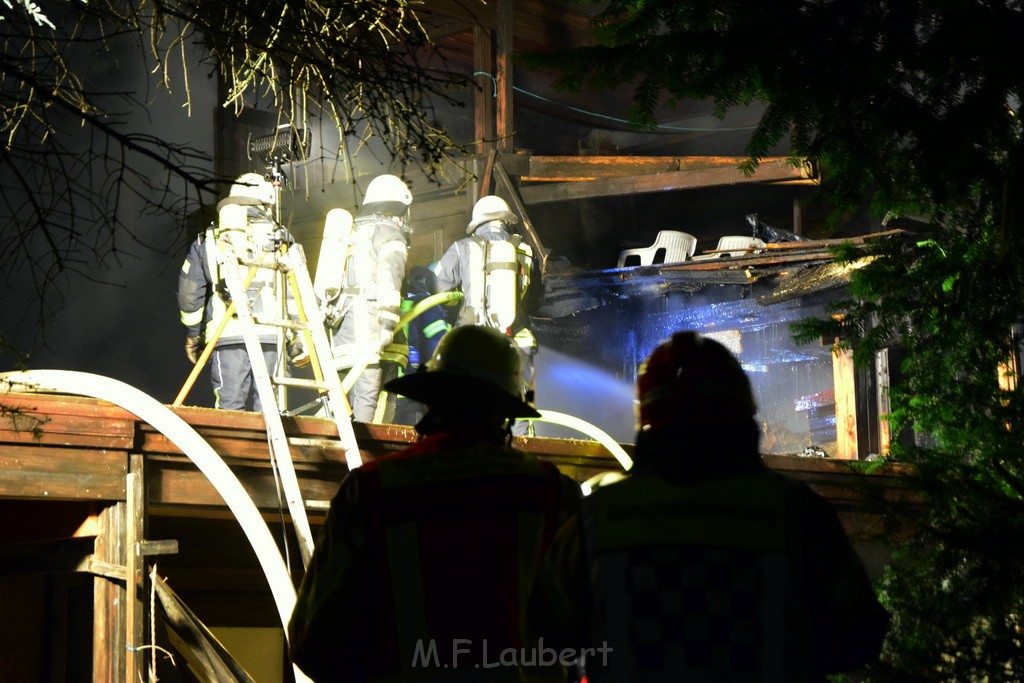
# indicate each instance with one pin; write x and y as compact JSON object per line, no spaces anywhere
{"x":614,"y":119}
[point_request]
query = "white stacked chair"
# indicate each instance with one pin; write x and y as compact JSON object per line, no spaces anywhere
{"x":678,"y":246}
{"x":733,"y":245}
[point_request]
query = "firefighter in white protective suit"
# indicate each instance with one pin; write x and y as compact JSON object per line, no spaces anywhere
{"x":493,"y":266}
{"x":369,"y":305}
{"x":244,"y":222}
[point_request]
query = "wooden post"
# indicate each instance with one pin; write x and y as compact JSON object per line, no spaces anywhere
{"x":484,"y":176}
{"x":843,"y":377}
{"x":1009,"y":370}
{"x":135,"y":608}
{"x":108,"y":653}
{"x":882,"y":380}
{"x":525,"y":224}
{"x":798,"y":214}
{"x":504,"y":75}
{"x":487,"y":91}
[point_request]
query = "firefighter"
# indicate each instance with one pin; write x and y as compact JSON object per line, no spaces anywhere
{"x":245,"y":220}
{"x":703,"y":564}
{"x":422,"y":334}
{"x":394,"y":362}
{"x":424,"y":562}
{"x":372,"y":296}
{"x":493,"y":267}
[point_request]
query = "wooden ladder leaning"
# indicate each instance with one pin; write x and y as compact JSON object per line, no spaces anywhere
{"x":300,"y":314}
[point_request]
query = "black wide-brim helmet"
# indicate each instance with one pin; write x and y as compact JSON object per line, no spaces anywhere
{"x":473,"y":366}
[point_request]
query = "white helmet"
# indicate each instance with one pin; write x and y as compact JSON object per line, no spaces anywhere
{"x":387,"y":188}
{"x":490,"y":208}
{"x":253,"y":186}
{"x":251,"y":195}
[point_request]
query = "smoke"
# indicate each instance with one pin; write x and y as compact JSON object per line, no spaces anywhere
{"x":570,"y":385}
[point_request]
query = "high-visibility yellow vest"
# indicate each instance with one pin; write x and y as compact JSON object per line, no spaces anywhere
{"x":696,"y":581}
{"x":446,"y":538}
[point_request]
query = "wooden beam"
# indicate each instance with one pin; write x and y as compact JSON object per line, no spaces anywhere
{"x":844,"y":376}
{"x":175,"y":483}
{"x":45,"y":472}
{"x":135,"y":589}
{"x":485,"y":176}
{"x":882,"y":381}
{"x":108,"y":636}
{"x":190,"y":636}
{"x":577,"y":168}
{"x":486,"y":95}
{"x":516,"y":164}
{"x":525,"y":224}
{"x":822,"y":245}
{"x":503,"y":72}
{"x":661,"y":182}
{"x":1008,"y":371}
{"x":798,"y":215}
{"x":176,"y":488}
{"x":27,"y":419}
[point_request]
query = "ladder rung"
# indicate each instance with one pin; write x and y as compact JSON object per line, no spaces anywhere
{"x":278,"y":322}
{"x":300,"y":383}
{"x":271,"y":263}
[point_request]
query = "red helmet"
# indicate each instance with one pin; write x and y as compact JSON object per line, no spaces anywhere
{"x":691,"y":380}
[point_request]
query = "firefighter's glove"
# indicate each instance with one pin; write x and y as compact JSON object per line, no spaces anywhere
{"x":526,"y":342}
{"x":332,"y":316}
{"x":193,"y":349}
{"x":388,"y":322}
{"x":297,"y":353}
{"x":397,"y":353}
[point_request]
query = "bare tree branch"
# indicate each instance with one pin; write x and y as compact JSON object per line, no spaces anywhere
{"x":71,"y":160}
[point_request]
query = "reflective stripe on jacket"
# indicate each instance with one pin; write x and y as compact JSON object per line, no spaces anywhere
{"x":746,"y":577}
{"x":202,"y":296}
{"x":462,"y":266}
{"x":424,"y":331}
{"x":694,"y":581}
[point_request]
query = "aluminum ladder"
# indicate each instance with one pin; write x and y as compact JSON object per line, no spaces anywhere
{"x":291,"y":277}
